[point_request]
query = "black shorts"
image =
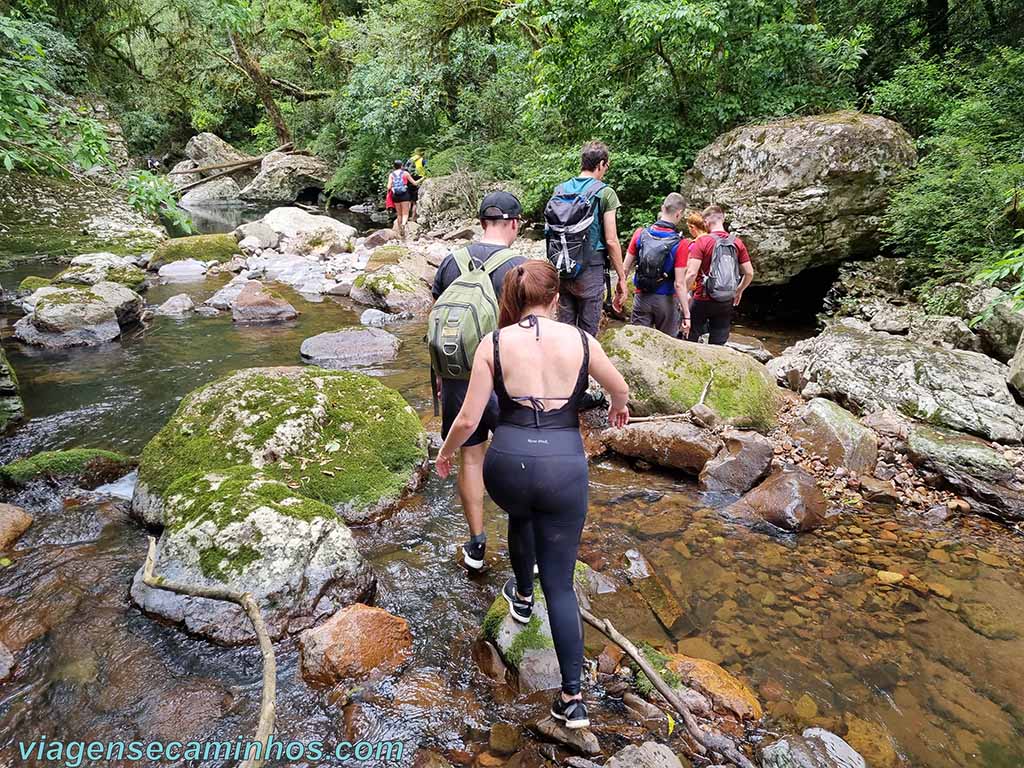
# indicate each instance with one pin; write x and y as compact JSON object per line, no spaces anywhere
{"x":453,"y":393}
{"x":414,"y":192}
{"x":400,"y":197}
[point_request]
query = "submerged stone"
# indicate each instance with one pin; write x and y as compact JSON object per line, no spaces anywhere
{"x":349,"y":348}
{"x":816,"y":748}
{"x":356,"y":642}
{"x":338,"y":437}
{"x":667,"y":375}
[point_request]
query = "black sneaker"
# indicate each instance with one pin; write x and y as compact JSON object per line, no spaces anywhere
{"x":520,"y":610}
{"x":572,"y":713}
{"x":473,"y":555}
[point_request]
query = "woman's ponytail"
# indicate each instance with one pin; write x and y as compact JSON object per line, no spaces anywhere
{"x":532,"y":284}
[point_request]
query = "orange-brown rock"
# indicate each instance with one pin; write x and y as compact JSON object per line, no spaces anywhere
{"x":789,"y":499}
{"x":670,"y":443}
{"x":14,"y":521}
{"x":356,"y":642}
{"x":727,"y":694}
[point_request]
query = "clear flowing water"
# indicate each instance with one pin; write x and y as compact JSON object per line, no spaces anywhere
{"x":938,"y":677}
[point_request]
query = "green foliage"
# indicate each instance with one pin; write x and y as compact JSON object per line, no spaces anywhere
{"x":154,"y":195}
{"x":957,"y":210}
{"x":1008,"y":272}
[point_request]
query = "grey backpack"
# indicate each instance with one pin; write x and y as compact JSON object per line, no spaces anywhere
{"x":723,"y":278}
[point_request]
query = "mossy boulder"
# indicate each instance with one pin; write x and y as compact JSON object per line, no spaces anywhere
{"x":337,"y":437}
{"x":72,"y":315}
{"x":668,"y":375}
{"x":33,"y":283}
{"x":93,"y":268}
{"x":393,"y":289}
{"x":218,"y":248}
{"x":240,"y":528}
{"x":12,"y":410}
{"x":86,"y":467}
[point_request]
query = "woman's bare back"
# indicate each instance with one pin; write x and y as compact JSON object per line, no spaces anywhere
{"x":546,"y":367}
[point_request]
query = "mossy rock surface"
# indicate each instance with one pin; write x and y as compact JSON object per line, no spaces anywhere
{"x":32,"y":283}
{"x":88,"y":466}
{"x":218,"y":248}
{"x":337,"y":437}
{"x":12,"y":410}
{"x":129,"y":276}
{"x":667,"y":375}
{"x":243,"y":529}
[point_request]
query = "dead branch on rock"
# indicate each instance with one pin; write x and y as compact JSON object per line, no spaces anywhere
{"x":236,"y":164}
{"x":707,"y":741}
{"x":707,"y":387}
{"x":268,"y":703}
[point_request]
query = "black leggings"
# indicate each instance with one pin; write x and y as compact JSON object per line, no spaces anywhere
{"x":540,"y":478}
{"x":715,"y":317}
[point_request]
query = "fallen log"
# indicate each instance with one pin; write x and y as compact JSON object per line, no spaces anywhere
{"x":707,"y":741}
{"x":268,"y":702}
{"x":233,"y":163}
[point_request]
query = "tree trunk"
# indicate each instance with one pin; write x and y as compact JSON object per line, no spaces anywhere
{"x":937,"y":21}
{"x":262,"y":86}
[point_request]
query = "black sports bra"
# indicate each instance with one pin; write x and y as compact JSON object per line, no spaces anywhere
{"x":536,"y":414}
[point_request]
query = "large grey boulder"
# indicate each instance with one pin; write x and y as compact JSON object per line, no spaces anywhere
{"x":308,"y":234}
{"x":255,"y":303}
{"x":972,"y":468}
{"x":243,"y":530}
{"x":263,"y":234}
{"x":282,"y":177}
{"x":870,"y":371}
{"x":803,"y":192}
{"x":349,"y":348}
{"x":997,"y":321}
{"x":176,"y":306}
{"x":73,"y":316}
{"x":650,"y":754}
{"x":834,"y":433}
{"x":92,"y":268}
{"x":1015,"y":376}
{"x":209,"y":149}
{"x":815,"y":748}
{"x":742,"y":464}
{"x":445,"y":200}
{"x":220,"y":191}
{"x":392,"y":289}
{"x":181,"y":174}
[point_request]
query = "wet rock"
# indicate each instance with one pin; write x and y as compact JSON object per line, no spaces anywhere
{"x":340,"y":437}
{"x":379,"y":237}
{"x":650,"y":754}
{"x":489,"y":660}
{"x":226,"y":296}
{"x":444,"y":200}
{"x":668,"y":376}
{"x":699,"y":648}
{"x":727,"y":693}
{"x":878,"y":491}
{"x":176,"y":306}
{"x":283,"y":177}
{"x":789,"y":499}
{"x":82,"y":467}
{"x":972,"y":468}
{"x":356,"y":642}
{"x":189,"y":710}
{"x":12,"y":410}
{"x":581,"y":740}
{"x":222,"y":191}
{"x":264,"y":235}
{"x":308,"y":234}
{"x":804,"y":191}
{"x":241,"y":529}
{"x":256,"y":304}
{"x":92,"y":268}
{"x":871,"y":741}
{"x":14,"y":521}
{"x":1015,"y":376}
{"x":987,"y":620}
{"x":375,"y":318}
{"x":870,"y":371}
{"x":78,"y":316}
{"x":349,"y":347}
{"x":834,"y":433}
{"x":676,"y":444}
{"x":505,"y":738}
{"x":748,"y":345}
{"x":184,"y":271}
{"x":6,"y":663}
{"x":392,"y":289}
{"x":744,"y":462}
{"x":203,"y":248}
{"x":1001,"y":323}
{"x":815,"y":748}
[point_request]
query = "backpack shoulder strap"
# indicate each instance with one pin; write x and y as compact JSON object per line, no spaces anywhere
{"x":593,"y":189}
{"x":497,"y":260}
{"x":462,"y":260}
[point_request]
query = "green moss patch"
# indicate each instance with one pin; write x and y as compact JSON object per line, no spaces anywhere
{"x":129,"y":276}
{"x":219,"y":248}
{"x":335,"y":437}
{"x":659,"y":662}
{"x":33,"y":283}
{"x":666,"y":375}
{"x":91,"y":465}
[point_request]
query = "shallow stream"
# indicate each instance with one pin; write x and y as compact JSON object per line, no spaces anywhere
{"x":929,"y":680}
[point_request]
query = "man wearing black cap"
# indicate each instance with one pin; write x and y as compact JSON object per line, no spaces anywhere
{"x":500,"y":214}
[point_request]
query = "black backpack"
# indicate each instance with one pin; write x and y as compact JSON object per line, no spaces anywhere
{"x":652,"y":252}
{"x":569,"y":218}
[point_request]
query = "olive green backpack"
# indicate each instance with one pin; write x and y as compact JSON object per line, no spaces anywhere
{"x":465,"y":313}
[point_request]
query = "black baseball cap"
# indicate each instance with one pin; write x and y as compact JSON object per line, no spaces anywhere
{"x":500,"y":205}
